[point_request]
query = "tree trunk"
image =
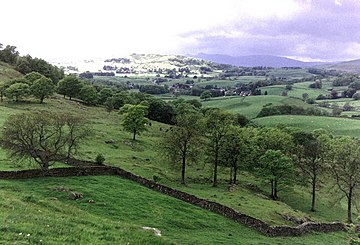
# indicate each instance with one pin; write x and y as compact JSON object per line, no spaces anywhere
{"x":313,"y":193}
{"x":183,"y":170}
{"x":134,"y":134}
{"x":272,"y":189}
{"x":275,"y":190}
{"x":231,"y":175}
{"x":235,"y":174}
{"x":1,"y":97}
{"x":41,"y":99}
{"x":350,"y":205}
{"x":215,"y":168}
{"x":45,"y":165}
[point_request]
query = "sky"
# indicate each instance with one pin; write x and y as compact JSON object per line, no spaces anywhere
{"x":65,"y":30}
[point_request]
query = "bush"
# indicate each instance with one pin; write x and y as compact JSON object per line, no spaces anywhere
{"x":100,"y":159}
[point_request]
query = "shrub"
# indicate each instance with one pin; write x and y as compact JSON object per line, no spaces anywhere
{"x":100,"y":159}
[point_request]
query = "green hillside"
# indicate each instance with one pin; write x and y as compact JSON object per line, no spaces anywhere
{"x":337,"y":126}
{"x":250,"y":106}
{"x":34,"y":213}
{"x":7,"y":72}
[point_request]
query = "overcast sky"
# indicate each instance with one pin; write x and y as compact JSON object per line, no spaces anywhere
{"x":325,"y":30}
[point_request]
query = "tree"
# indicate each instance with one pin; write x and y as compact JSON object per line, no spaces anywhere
{"x":310,"y":155}
{"x":133,"y":119}
{"x":218,"y":123}
{"x":17,"y":91}
{"x":43,"y":137}
{"x":184,"y":142}
{"x":235,"y":150}
{"x":9,"y":54}
{"x":32,"y":77}
{"x":104,"y":94}
{"x":88,"y":94}
{"x":205,"y":95}
{"x":276,"y":168}
{"x":69,"y":86}
{"x":109,"y":105}
{"x":345,"y":167}
{"x":42,"y":88}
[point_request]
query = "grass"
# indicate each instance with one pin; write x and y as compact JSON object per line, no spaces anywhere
{"x":117,"y":216}
{"x":142,"y":158}
{"x":8,"y":72}
{"x":337,"y":126}
{"x":251,"y":106}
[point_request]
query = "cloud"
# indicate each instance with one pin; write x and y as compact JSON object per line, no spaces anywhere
{"x":68,"y":29}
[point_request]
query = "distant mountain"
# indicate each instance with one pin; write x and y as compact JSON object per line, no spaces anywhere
{"x":255,"y":60}
{"x":352,"y":66}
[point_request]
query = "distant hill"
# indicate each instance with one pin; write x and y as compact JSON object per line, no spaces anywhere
{"x":352,"y":66}
{"x":142,"y":64}
{"x":255,"y":60}
{"x":8,"y":72}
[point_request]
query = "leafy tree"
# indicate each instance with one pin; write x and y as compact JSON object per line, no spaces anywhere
{"x":235,"y":150}
{"x":345,"y":167}
{"x":276,"y":168}
{"x":9,"y":54}
{"x":133,"y":119}
{"x":183,"y":143}
{"x":218,"y":123}
{"x":32,"y":77}
{"x":272,"y":139}
{"x":43,"y":137}
{"x":42,"y":88}
{"x":104,"y":94}
{"x":305,"y":96}
{"x":205,"y":95}
{"x":88,"y":94}
{"x":311,"y":152}
{"x":17,"y":91}
{"x":109,"y":105}
{"x":69,"y":86}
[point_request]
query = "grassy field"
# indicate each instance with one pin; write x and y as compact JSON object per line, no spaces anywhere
{"x":337,"y":126}
{"x":250,"y":106}
{"x":34,"y":213}
{"x":290,"y":73}
{"x":144,"y":159}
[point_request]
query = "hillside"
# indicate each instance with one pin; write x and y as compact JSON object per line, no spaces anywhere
{"x":140,"y":64}
{"x":255,"y":60}
{"x":143,"y":159}
{"x":7,"y":72}
{"x":352,"y":66}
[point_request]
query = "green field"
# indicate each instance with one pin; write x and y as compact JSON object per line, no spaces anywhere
{"x":118,"y":217}
{"x":34,"y":213}
{"x":337,"y":126}
{"x":250,"y":106}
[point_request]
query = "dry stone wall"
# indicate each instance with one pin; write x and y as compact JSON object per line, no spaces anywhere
{"x":215,"y":207}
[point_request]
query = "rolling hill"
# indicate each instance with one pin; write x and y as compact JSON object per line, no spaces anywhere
{"x":255,"y":60}
{"x":352,"y":66}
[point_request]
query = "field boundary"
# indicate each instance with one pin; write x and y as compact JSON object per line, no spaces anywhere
{"x":262,"y":227}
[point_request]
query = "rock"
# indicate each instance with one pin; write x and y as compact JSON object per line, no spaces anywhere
{"x":156,"y":231}
{"x":91,"y":201}
{"x":75,"y":195}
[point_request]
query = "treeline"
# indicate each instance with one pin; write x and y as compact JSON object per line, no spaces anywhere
{"x":27,"y":64}
{"x":278,"y":156}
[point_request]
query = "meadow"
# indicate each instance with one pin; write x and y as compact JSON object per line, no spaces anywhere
{"x":250,"y":106}
{"x":33,"y":212}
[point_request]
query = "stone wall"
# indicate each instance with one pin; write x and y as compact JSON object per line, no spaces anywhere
{"x":215,"y":207}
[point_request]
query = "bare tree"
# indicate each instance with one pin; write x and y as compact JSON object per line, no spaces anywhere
{"x":43,"y":137}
